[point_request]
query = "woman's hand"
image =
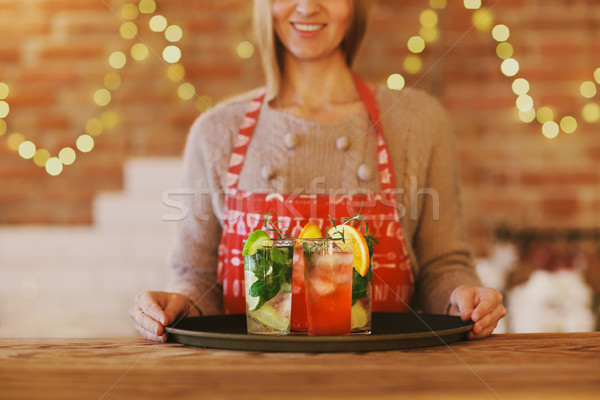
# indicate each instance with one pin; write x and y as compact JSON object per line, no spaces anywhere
{"x":482,"y":305}
{"x":155,"y":310}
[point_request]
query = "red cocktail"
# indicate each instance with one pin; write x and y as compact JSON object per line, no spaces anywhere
{"x":328,"y":285}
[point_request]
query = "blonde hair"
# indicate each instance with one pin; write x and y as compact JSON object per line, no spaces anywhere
{"x":272,"y":51}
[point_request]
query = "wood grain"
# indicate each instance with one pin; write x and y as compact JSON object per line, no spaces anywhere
{"x":525,"y":366}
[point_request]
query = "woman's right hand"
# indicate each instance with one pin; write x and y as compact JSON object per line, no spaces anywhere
{"x":155,"y":310}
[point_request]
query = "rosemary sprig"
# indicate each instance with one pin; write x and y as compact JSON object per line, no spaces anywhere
{"x":274,"y":227}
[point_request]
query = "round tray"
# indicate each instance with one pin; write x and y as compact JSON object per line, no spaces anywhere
{"x":390,"y":331}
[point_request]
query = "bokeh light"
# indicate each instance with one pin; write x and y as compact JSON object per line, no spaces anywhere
{"x":14,"y":140}
{"x":128,"y":30}
{"x":54,"y":166}
{"x":171,"y":54}
{"x":501,"y":33}
{"x":510,"y":67}
{"x":416,"y":44}
{"x":110,"y":119}
{"x":591,"y":113}
{"x":596,"y":76}
{"x":67,"y":156}
{"x":112,"y":81}
{"x":3,"y":127}
{"x":504,"y":50}
{"x":520,"y":86}
{"x":102,"y":97}
{"x":139,"y":51}
{"x":395,"y":82}
{"x":550,"y":129}
{"x":41,"y":157}
{"x":544,"y":114}
{"x":157,"y":23}
{"x":176,"y":72}
{"x":27,"y":149}
{"x":130,"y":11}
{"x":527,"y":116}
{"x":412,"y":64}
{"x":472,"y":4}
{"x":483,"y":20}
{"x":85,"y":143}
{"x":186,"y":91}
{"x":524,"y":103}
{"x":4,"y":109}
{"x":429,"y":34}
{"x":173,"y":33}
{"x":147,"y":6}
{"x":4,"y":90}
{"x":428,"y":18}
{"x":588,"y":89}
{"x":94,"y":126}
{"x":568,"y":124}
{"x":117,"y":60}
{"x":437,"y":4}
{"x":245,"y":49}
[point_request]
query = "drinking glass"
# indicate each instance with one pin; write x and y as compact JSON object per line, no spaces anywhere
{"x":328,"y":266}
{"x":268,"y":287}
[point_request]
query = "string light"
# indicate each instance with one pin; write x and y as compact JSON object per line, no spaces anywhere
{"x":245,"y":49}
{"x":395,"y":82}
{"x":41,"y":157}
{"x":501,"y":33}
{"x":544,"y":114}
{"x":520,"y":86}
{"x":173,"y":33}
{"x":568,"y":124}
{"x":588,"y":89}
{"x":112,"y":81}
{"x":27,"y":149}
{"x":472,"y":4}
{"x":550,"y":129}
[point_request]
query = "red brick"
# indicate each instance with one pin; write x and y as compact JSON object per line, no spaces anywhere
{"x":560,"y":178}
{"x":72,"y":5}
{"x":54,"y":75}
{"x":10,"y":55}
{"x":73,"y":52}
{"x":559,"y":208}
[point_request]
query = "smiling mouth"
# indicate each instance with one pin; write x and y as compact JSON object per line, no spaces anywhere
{"x":307,"y":27}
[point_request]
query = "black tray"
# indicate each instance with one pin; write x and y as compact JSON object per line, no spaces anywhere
{"x":390,"y":331}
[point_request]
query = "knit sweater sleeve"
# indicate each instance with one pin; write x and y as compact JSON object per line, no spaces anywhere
{"x":439,"y":240}
{"x":194,"y":257}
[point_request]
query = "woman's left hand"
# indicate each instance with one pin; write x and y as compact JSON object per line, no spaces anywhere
{"x":481,"y":305}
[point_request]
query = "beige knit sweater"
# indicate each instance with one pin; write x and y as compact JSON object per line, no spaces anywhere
{"x":422,"y":148}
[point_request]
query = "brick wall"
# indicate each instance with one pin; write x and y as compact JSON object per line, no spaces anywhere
{"x":54,"y":56}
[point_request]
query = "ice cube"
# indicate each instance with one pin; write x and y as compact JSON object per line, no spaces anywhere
{"x":322,"y":286}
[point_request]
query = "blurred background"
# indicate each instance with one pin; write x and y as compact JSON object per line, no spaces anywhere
{"x":97,"y":96}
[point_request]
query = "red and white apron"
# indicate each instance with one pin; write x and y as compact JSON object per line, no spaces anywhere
{"x":392,"y":274}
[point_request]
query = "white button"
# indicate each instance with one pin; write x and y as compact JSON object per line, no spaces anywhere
{"x":290,"y":140}
{"x":267,"y":172}
{"x":365,"y":172}
{"x":342,"y":143}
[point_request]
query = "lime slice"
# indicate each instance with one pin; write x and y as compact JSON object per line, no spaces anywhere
{"x":255,"y":241}
{"x":252,"y":302}
{"x":359,"y":316}
{"x":267,"y":316}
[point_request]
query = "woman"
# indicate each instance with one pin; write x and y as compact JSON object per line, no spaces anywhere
{"x":319,"y":141}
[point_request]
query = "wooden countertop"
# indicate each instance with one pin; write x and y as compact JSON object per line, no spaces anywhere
{"x":509,"y":366}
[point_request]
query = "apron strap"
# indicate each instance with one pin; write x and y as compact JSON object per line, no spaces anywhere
{"x":243,"y":140}
{"x":386,"y":169}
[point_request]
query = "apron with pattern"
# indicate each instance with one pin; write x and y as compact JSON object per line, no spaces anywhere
{"x":393,"y":281}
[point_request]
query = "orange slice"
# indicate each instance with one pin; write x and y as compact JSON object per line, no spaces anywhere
{"x":310,"y":231}
{"x":357,"y":243}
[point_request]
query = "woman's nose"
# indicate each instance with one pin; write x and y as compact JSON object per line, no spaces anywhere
{"x":307,"y":7}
